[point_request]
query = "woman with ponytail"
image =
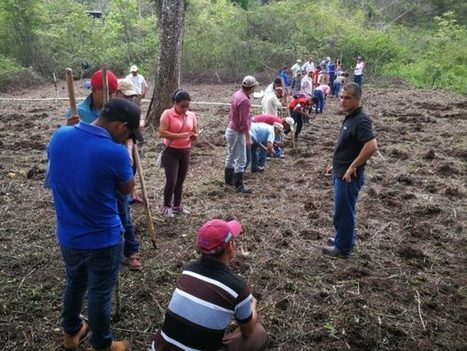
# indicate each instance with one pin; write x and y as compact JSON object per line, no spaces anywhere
{"x":179,"y":128}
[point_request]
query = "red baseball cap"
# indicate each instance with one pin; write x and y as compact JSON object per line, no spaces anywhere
{"x":112,"y":80}
{"x":214,"y":235}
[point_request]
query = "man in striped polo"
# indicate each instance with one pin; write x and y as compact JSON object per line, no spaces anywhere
{"x":207,"y":296}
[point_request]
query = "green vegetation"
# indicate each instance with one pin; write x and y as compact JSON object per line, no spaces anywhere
{"x":224,"y":39}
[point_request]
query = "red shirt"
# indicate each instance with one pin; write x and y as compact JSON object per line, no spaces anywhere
{"x":269,"y":119}
{"x":239,"y":115}
{"x":303,"y":101}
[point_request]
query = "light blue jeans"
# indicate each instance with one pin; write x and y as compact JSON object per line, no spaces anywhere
{"x":236,"y":150}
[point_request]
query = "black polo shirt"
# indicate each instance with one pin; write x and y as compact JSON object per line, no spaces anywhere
{"x":356,"y":130}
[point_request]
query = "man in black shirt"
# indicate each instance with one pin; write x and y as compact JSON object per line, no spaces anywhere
{"x":355,"y":145}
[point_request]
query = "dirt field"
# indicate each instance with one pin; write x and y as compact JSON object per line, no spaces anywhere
{"x":405,"y":287}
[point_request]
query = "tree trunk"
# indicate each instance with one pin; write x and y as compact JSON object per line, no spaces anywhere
{"x":171,"y":15}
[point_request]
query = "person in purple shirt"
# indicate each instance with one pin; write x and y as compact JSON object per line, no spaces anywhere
{"x":238,"y":136}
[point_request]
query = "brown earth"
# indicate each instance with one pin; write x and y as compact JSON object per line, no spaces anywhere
{"x":403,"y":289}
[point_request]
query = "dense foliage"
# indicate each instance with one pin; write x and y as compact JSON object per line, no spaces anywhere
{"x":224,"y":39}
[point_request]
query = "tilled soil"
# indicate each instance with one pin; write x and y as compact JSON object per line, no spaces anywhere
{"x":403,"y":289}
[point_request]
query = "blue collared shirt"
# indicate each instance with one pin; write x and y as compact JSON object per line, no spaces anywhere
{"x":85,"y":168}
{"x":85,"y":111}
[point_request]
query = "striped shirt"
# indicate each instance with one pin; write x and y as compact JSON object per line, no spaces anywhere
{"x":207,"y":296}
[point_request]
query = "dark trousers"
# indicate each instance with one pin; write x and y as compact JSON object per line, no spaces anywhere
{"x":96,"y":272}
{"x":298,"y":119}
{"x":175,"y":163}
{"x":345,"y":200}
{"x":358,"y":79}
{"x":131,"y":241}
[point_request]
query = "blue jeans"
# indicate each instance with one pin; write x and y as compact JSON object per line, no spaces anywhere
{"x":236,"y":150}
{"x":257,"y":156}
{"x":319,"y":106}
{"x":131,"y":242}
{"x":345,"y":199}
{"x":337,"y":88}
{"x":358,"y":79}
{"x":95,"y":271}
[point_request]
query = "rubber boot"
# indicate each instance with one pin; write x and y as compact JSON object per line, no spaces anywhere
{"x":238,"y":181}
{"x":229,"y":176}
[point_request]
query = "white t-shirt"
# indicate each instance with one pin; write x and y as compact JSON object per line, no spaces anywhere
{"x":270,"y":104}
{"x":295,"y":68}
{"x":308,"y":66}
{"x":306,"y":85}
{"x":359,"y":68}
{"x":139,"y":82}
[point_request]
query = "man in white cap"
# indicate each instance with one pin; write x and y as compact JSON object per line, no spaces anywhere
{"x":139,"y":82}
{"x":238,"y":136}
{"x":296,"y":68}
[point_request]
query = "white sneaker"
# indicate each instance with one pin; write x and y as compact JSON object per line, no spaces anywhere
{"x":167,"y":212}
{"x":180,"y":210}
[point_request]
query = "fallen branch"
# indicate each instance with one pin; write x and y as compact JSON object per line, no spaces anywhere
{"x":417,"y":298}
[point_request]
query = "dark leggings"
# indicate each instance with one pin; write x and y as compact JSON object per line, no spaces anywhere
{"x":175,"y":162}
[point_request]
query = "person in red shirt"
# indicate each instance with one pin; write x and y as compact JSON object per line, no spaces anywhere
{"x":299,"y":108}
{"x":179,"y":128}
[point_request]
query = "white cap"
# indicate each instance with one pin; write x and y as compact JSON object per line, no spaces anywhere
{"x":290,"y":121}
{"x":127,"y":87}
{"x":134,"y":68}
{"x":278,"y":126}
{"x":299,"y":61}
{"x":249,"y":82}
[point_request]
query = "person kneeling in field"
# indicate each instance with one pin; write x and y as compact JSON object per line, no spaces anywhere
{"x":87,"y":166}
{"x":208,"y":295}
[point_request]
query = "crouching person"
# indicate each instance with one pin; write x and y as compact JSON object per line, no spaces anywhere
{"x":208,"y":295}
{"x":87,"y":165}
{"x":263,"y":136}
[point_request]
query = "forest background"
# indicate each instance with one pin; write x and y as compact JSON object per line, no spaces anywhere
{"x":423,"y":42}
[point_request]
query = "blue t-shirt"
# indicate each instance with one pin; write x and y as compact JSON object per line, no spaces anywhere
{"x":85,"y":112}
{"x":262,"y":133}
{"x":85,"y":167}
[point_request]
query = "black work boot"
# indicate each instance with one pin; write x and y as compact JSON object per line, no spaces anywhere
{"x":238,"y":182}
{"x":229,"y":176}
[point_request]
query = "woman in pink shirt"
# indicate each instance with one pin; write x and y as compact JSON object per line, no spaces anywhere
{"x":179,"y":128}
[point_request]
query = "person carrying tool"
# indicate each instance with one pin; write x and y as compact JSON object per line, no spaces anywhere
{"x":87,"y":165}
{"x":263,"y":136}
{"x":88,"y":110}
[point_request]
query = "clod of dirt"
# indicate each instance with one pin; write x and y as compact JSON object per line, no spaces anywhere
{"x":405,"y":179}
{"x":311,"y":234}
{"x":447,"y":170}
{"x":283,"y":304}
{"x":459,"y":153}
{"x":429,"y":155}
{"x":399,"y":154}
{"x":411,"y":252}
{"x":309,"y":206}
{"x":456,"y":192}
{"x":35,"y":173}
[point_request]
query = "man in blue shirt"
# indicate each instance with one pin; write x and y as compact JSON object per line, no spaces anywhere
{"x":87,"y":166}
{"x":262,"y":138}
{"x":88,"y":110}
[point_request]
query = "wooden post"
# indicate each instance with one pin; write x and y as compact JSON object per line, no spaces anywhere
{"x":139,"y":169}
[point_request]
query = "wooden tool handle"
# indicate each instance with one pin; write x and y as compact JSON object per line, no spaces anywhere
{"x":139,"y":169}
{"x":71,"y":91}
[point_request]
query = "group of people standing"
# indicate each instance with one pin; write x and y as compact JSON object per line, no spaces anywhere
{"x":91,"y":175}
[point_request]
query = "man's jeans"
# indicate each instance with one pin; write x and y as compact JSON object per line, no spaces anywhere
{"x":131,"y":242}
{"x":345,"y":199}
{"x":95,"y":271}
{"x":257,"y":156}
{"x":236,"y":150}
{"x":358,"y":79}
{"x":319,"y":106}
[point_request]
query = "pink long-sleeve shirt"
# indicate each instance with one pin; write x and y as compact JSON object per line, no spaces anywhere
{"x":240,"y":115}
